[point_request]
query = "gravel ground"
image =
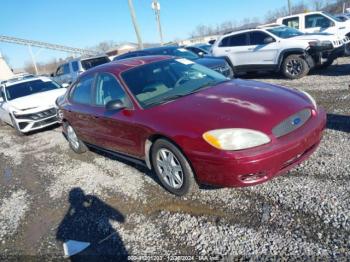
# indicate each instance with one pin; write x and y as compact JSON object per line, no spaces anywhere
{"x":49,"y":195}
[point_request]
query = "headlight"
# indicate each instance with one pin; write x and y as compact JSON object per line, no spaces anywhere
{"x":312,"y":100}
{"x":235,"y":138}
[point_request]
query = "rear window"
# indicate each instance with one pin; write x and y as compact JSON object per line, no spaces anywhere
{"x":234,"y":40}
{"x":90,"y":63}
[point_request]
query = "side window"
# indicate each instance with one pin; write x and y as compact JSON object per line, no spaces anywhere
{"x":292,"y":22}
{"x":108,"y":89}
{"x":257,"y":38}
{"x":234,"y":40}
{"x":75,"y":66}
{"x":82,"y":90}
{"x":66,"y":69}
{"x":317,"y":21}
{"x":59,"y":71}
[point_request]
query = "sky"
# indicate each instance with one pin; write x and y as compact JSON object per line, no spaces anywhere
{"x":85,"y":23}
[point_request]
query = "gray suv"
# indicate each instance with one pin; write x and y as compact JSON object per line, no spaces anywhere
{"x":69,"y":71}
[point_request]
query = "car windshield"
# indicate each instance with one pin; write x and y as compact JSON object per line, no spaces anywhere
{"x":284,"y":31}
{"x":205,"y":47}
{"x":30,"y":88}
{"x":333,"y":17}
{"x":167,"y":80}
{"x":90,"y":63}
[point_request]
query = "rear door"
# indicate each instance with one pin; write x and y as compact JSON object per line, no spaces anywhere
{"x":235,"y":47}
{"x":259,"y":51}
{"x":115,"y":130}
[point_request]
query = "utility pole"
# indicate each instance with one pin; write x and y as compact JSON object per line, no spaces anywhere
{"x":136,"y":27}
{"x":33,"y":59}
{"x":289,"y":7}
{"x":156,"y":8}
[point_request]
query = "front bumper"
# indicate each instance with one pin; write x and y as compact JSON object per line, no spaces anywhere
{"x":322,"y":55}
{"x":257,"y":165}
{"x":26,"y":123}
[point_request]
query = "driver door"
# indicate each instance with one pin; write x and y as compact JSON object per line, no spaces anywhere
{"x":318,"y":23}
{"x":115,"y":130}
{"x":4,"y":114}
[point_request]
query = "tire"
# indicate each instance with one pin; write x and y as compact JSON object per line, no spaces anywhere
{"x":327,"y":64}
{"x":347,"y":49}
{"x":75,"y":143}
{"x":295,"y":67}
{"x":173,"y":160}
{"x":15,"y":126}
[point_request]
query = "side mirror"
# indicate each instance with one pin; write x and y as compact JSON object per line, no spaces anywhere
{"x":268,"y":40}
{"x":201,"y":54}
{"x":65,"y":85}
{"x":52,"y":74}
{"x":115,"y":105}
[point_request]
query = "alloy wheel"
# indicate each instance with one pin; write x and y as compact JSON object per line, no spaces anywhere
{"x":294,"y":67}
{"x":72,"y":137}
{"x":170,"y":168}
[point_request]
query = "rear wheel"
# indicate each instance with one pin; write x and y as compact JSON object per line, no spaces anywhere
{"x":172,"y":168}
{"x":294,"y":67}
{"x":75,"y":143}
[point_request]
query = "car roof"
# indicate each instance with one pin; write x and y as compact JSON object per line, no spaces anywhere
{"x":34,"y":78}
{"x":119,"y":66}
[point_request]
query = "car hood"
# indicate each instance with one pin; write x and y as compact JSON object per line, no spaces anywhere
{"x":233,"y":104}
{"x":317,"y":36}
{"x":35,"y":102}
{"x":211,"y":62}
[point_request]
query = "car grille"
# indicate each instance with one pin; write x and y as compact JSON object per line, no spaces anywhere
{"x":39,"y":115}
{"x":45,"y":122}
{"x":292,"y":123}
{"x":341,"y":42}
{"x":224,"y":70}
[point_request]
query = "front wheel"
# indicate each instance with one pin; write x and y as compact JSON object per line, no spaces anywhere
{"x":75,"y":143}
{"x":294,"y":67}
{"x":347,"y":49}
{"x":172,"y":168}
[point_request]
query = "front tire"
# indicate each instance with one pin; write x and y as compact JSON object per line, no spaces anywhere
{"x":347,"y":49}
{"x":172,"y":168}
{"x":295,"y":67}
{"x":75,"y":143}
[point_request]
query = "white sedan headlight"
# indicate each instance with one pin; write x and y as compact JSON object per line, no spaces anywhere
{"x":235,"y":138}
{"x":312,"y":100}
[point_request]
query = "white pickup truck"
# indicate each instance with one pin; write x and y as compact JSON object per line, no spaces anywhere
{"x":320,"y":22}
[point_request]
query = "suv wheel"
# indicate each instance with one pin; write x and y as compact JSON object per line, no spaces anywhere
{"x":347,"y":49}
{"x":327,"y":64}
{"x":294,"y":67}
{"x":75,"y":143}
{"x":172,"y":168}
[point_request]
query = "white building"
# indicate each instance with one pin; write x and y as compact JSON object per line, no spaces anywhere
{"x":5,"y":71}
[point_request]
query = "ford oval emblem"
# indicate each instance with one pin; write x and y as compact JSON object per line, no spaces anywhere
{"x":296,"y":121}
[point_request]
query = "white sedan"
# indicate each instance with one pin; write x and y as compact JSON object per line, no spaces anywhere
{"x":29,"y":104}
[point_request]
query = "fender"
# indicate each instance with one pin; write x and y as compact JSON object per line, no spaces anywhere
{"x":291,"y":51}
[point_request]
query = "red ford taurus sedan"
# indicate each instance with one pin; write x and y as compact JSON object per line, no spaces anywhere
{"x":190,"y":124}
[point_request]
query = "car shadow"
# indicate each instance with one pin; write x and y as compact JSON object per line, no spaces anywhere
{"x":338,"y":122}
{"x":88,"y":221}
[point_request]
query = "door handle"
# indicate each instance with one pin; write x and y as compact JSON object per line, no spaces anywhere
{"x":96,"y":117}
{"x":250,"y":49}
